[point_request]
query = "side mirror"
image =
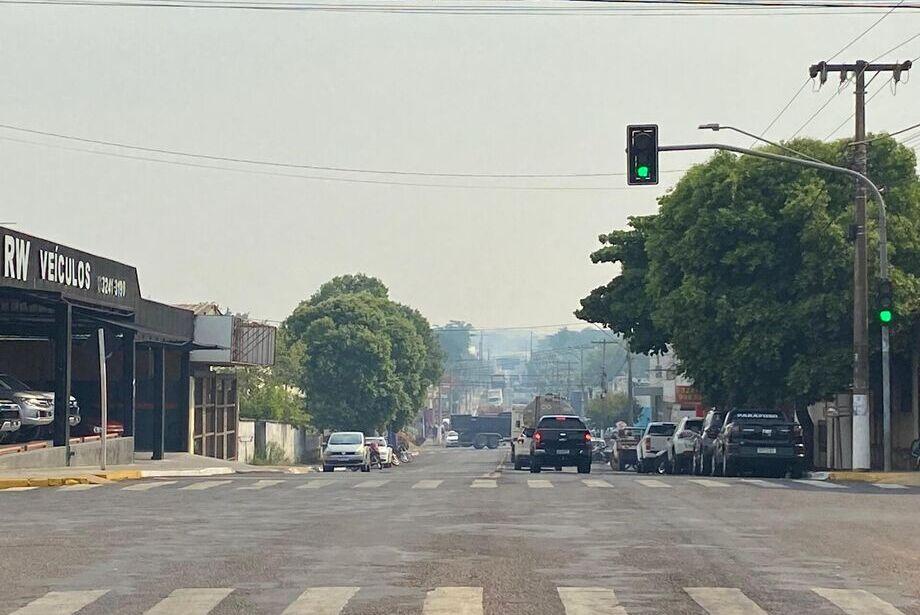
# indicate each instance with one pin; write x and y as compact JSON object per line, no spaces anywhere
{"x":528,"y":432}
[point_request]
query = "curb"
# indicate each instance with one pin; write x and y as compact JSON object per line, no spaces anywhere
{"x":95,"y":478}
{"x":884,"y":478}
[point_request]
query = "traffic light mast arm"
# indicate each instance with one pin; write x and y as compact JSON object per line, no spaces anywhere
{"x":882,"y":221}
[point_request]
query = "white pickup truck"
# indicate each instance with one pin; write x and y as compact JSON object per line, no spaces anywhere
{"x":652,"y":450}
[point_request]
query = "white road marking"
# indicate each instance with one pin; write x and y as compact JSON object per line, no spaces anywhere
{"x":590,"y":601}
{"x":539,"y":484}
{"x":321,"y":601}
{"x":724,"y":601}
{"x":60,"y":603}
{"x":148,"y":486}
{"x":453,"y":601}
{"x":427,"y":484}
{"x":708,"y":483}
{"x":483,"y":484}
{"x":593,"y":482}
{"x":262,"y":484}
{"x":819,"y":483}
{"x":857,"y":601}
{"x":18,"y":489}
{"x":206,"y":484}
{"x":316,"y":484}
{"x":889,"y":486}
{"x":651,"y":482}
{"x":764,"y":483}
{"x":192,"y":601}
{"x":80,"y":487}
{"x":371,"y":484}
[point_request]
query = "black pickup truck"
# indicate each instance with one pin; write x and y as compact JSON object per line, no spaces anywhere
{"x":560,"y":441}
{"x":759,"y":441}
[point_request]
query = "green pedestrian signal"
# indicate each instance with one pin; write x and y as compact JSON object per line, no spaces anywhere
{"x":885,"y":302}
{"x":642,"y":154}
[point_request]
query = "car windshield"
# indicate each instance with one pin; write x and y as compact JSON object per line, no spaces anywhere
{"x":560,"y":422}
{"x":346,"y":438}
{"x":663,"y":429}
{"x":694,"y":426}
{"x":12,"y":383}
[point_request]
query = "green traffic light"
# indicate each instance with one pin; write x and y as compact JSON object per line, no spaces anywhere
{"x":885,"y":316}
{"x":642,"y":171}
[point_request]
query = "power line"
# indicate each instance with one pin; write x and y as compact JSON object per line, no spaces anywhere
{"x":889,"y":135}
{"x":287,"y":165}
{"x":866,"y":31}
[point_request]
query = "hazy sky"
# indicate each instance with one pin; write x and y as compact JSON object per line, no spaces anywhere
{"x":434,"y":93}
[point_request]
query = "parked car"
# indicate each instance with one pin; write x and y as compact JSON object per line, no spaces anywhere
{"x":9,"y":420}
{"x":703,"y":446}
{"x":652,"y":449}
{"x":346,"y":449}
{"x":561,"y":441}
{"x":452,"y":439}
{"x":36,"y":408}
{"x":759,"y":441}
{"x":383,"y":448}
{"x":623,"y":448}
{"x":680,"y":449}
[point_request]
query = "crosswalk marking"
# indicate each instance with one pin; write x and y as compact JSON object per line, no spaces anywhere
{"x":205,"y":484}
{"x":427,"y":484}
{"x":60,"y":603}
{"x":651,"y":482}
{"x":724,"y":601}
{"x":80,"y":487}
{"x":316,"y":484}
{"x":764,"y":483}
{"x":889,"y":486}
{"x":539,"y":484}
{"x":148,"y":486}
{"x":371,"y":484}
{"x":321,"y":601}
{"x":593,"y":482}
{"x":590,"y":601}
{"x":483,"y":484}
{"x":192,"y":601}
{"x":708,"y":483}
{"x":18,"y":489}
{"x":857,"y":601}
{"x":819,"y":483}
{"x":262,"y":484}
{"x":453,"y":601}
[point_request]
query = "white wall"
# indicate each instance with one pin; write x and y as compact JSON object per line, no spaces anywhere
{"x":298,"y":444}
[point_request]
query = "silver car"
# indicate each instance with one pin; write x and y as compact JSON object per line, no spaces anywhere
{"x":36,"y":408}
{"x":9,"y":420}
{"x":346,"y":449}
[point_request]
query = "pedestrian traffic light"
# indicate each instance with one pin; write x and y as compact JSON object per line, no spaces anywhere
{"x":885,"y":302}
{"x":642,"y":154}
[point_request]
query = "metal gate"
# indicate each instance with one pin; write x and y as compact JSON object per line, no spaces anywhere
{"x":216,"y":416}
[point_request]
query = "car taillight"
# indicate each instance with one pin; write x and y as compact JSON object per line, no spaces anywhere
{"x":587,"y":436}
{"x":537,"y":437}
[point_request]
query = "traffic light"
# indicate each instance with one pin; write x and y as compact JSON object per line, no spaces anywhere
{"x":885,"y":302}
{"x":642,"y":154}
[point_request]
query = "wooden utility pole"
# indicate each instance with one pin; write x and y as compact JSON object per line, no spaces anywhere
{"x":861,"y":422}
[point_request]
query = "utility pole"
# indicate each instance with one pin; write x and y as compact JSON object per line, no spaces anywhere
{"x":861,"y":420}
{"x":603,"y":344}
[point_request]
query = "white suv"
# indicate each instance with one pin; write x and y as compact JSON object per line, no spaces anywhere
{"x":346,"y":449}
{"x":652,"y":450}
{"x":681,"y":445}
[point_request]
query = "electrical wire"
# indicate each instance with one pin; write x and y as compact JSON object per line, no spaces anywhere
{"x":866,"y":31}
{"x":889,"y":135}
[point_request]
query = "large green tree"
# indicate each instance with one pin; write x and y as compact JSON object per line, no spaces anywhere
{"x":365,"y":362}
{"x":747,"y":273}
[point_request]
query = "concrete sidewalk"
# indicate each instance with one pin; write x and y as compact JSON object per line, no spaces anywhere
{"x":174,"y":465}
{"x":910,"y":479}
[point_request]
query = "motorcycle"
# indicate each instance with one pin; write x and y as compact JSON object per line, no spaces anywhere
{"x":404,"y":455}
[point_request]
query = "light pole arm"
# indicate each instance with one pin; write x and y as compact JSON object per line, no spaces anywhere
{"x":883,"y":235}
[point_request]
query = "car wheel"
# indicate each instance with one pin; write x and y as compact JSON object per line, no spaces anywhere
{"x":584,"y":468}
{"x":663,"y":467}
{"x":671,"y":467}
{"x":621,"y":465}
{"x":558,"y":468}
{"x":518,"y":464}
{"x":366,"y":468}
{"x":328,"y":468}
{"x":796,"y":471}
{"x":535,"y":466}
{"x":714,"y":467}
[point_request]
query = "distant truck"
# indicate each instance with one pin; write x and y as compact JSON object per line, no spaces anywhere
{"x":525,"y":422}
{"x":481,"y":431}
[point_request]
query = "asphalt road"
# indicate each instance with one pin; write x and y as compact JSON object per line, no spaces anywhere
{"x":457,"y":533}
